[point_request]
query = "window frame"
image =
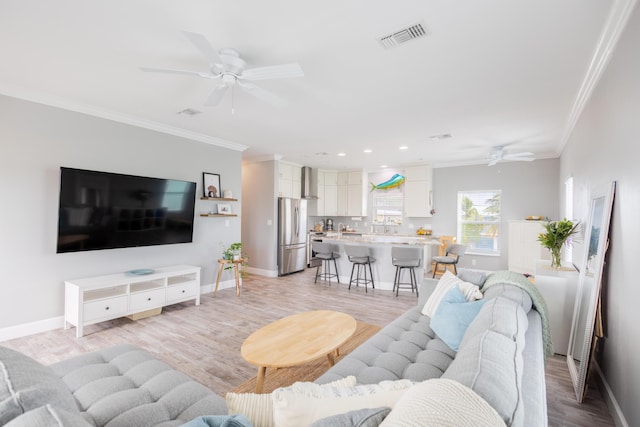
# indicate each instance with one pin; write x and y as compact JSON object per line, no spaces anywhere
{"x":495,"y":222}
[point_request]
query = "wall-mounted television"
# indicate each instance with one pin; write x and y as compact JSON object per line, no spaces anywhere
{"x":103,"y":210}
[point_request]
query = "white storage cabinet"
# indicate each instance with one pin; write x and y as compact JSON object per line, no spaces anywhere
{"x":96,"y":299}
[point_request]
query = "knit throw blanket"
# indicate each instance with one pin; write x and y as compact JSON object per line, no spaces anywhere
{"x":517,"y":279}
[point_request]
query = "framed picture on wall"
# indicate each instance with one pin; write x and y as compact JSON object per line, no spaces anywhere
{"x":211,"y":184}
{"x":224,"y":208}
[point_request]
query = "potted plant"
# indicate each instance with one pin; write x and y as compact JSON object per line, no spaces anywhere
{"x":557,"y":233}
{"x":233,"y":252}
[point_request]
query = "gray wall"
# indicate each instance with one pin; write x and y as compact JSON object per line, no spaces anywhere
{"x":527,"y":189}
{"x":605,"y":147}
{"x":35,"y":140}
{"x":258,"y":237}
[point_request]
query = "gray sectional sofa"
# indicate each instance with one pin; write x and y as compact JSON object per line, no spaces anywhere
{"x":119,"y":386}
{"x":501,"y":356}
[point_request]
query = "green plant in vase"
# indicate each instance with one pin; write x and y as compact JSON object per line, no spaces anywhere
{"x":233,"y":252}
{"x":557,"y":234}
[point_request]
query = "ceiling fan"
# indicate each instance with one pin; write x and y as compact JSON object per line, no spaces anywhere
{"x":226,"y":66}
{"x":498,"y":154}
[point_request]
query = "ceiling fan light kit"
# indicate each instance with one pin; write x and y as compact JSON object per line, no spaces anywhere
{"x":228,"y":66}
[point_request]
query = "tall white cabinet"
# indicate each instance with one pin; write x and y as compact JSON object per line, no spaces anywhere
{"x":289,"y":180}
{"x":524,"y":249}
{"x":418,"y":191}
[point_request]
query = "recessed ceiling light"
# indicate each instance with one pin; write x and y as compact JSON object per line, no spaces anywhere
{"x":440,"y":136}
{"x":383,"y":166}
{"x":342,"y":154}
{"x":368,"y":150}
{"x":403,"y":147}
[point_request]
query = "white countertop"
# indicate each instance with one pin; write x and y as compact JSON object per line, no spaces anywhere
{"x":384,"y":239}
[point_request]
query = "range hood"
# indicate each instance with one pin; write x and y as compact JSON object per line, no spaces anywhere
{"x":309,"y":183}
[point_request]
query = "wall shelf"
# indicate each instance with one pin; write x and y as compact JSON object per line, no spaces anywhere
{"x":218,"y":199}
{"x":212,"y":215}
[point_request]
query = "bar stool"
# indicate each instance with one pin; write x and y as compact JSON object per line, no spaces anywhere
{"x":452,"y":256}
{"x":325,"y":252}
{"x":360,"y":257}
{"x":406,"y":258}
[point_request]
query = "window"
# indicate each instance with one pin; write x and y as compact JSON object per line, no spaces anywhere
{"x":479,"y":221}
{"x":387,"y":209}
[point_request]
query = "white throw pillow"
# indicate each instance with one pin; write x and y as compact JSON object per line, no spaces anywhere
{"x":302,"y":408}
{"x":258,"y":408}
{"x":447,"y":282}
{"x":442,"y":402}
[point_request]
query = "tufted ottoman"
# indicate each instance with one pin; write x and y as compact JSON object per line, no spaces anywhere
{"x":119,"y":386}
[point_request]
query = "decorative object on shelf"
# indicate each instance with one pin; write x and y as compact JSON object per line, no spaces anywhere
{"x":141,"y":272}
{"x":395,"y":181}
{"x":557,"y":234}
{"x":211,"y":184}
{"x":227,"y":194}
{"x":224,"y":208}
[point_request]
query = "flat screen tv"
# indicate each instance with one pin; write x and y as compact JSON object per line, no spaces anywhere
{"x":103,"y":210}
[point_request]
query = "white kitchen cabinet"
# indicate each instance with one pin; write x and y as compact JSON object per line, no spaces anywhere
{"x":418,"y":191}
{"x":289,"y":180}
{"x":97,"y":299}
{"x":523,"y":247}
{"x":331,"y":200}
{"x":343,"y":200}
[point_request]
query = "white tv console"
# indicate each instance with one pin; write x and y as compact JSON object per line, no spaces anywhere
{"x":96,"y":299}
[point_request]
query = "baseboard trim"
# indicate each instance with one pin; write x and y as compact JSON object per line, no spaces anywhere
{"x":53,"y":323}
{"x":31,"y":328}
{"x":612,"y":403}
{"x":261,"y":272}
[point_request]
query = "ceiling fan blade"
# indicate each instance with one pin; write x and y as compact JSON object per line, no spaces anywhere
{"x":273,"y":72}
{"x":520,"y":159}
{"x":203,"y":45}
{"x":493,"y":162}
{"x":262,"y":94}
{"x":524,"y":153}
{"x":185,"y":72}
{"x":216,"y":96}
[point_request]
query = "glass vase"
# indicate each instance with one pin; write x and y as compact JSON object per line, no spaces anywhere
{"x":555,"y":258}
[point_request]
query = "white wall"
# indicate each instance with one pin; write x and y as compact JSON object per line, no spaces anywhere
{"x":258,"y":237}
{"x":605,"y":147}
{"x":35,"y":141}
{"x":528,"y":188}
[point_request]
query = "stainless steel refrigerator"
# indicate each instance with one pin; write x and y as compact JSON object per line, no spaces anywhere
{"x":292,"y":235}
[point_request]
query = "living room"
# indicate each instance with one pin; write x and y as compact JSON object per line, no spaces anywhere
{"x":41,"y":134}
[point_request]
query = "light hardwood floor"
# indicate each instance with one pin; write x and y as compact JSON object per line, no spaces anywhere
{"x":204,"y":341}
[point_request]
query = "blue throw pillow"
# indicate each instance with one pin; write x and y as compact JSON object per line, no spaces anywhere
{"x":236,"y":420}
{"x":453,"y":315}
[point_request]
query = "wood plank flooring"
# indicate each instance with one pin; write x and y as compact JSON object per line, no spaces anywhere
{"x":204,"y":341}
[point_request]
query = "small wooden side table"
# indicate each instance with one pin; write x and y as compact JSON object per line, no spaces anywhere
{"x":236,"y":264}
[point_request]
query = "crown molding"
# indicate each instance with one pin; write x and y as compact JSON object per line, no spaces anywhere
{"x":65,"y":104}
{"x":616,"y":22}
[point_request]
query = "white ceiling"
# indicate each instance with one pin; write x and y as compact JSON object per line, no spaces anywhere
{"x":490,"y":72}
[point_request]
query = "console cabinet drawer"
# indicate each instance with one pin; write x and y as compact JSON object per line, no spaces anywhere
{"x":181,"y":292}
{"x":142,"y":301}
{"x":106,"y":308}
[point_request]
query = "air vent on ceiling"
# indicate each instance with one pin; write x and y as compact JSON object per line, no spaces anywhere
{"x":404,"y":35}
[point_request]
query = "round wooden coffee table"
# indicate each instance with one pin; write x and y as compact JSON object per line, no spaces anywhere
{"x":297,"y":339}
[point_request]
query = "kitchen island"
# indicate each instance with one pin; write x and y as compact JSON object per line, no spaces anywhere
{"x":380,"y":248}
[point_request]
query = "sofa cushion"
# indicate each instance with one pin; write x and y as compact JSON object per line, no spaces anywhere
{"x":501,"y":315}
{"x":49,"y":416}
{"x":219,"y":421}
{"x":406,"y":348}
{"x":295,"y":409}
{"x":477,"y":277}
{"x":442,"y":402}
{"x":367,"y":417}
{"x":124,"y":385}
{"x":453,"y":316}
{"x":447,"y":282}
{"x":26,"y":384}
{"x":258,"y":408}
{"x":491,"y":365}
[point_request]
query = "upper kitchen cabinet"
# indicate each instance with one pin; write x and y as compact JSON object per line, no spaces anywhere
{"x":418,"y":191}
{"x":289,"y":180}
{"x":340,"y":194}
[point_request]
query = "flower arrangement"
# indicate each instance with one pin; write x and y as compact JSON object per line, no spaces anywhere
{"x":557,"y":233}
